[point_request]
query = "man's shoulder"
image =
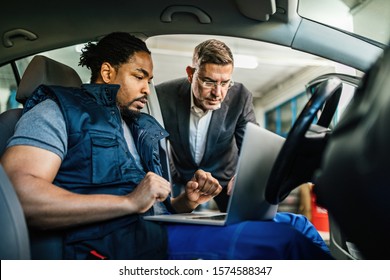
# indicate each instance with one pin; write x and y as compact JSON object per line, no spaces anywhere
{"x":238,"y":92}
{"x":54,"y":88}
{"x":44,"y":92}
{"x":46,"y":111}
{"x":148,"y":122}
{"x":171,"y":93}
{"x":240,"y":88}
{"x":45,"y":107}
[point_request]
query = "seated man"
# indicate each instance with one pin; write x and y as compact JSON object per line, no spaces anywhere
{"x":90,"y":167}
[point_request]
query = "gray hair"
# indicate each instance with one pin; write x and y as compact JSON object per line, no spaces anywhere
{"x":212,"y":51}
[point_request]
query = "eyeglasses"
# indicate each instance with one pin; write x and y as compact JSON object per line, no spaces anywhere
{"x":211,"y":84}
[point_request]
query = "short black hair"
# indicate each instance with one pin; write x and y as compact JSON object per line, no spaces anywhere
{"x":116,"y":48}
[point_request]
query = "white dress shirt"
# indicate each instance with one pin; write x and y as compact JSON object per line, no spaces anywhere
{"x":199,"y":125}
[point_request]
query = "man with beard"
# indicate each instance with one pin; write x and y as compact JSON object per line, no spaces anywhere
{"x":90,"y":169}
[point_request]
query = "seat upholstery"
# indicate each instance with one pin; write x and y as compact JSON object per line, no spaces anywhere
{"x":41,"y":70}
{"x":8,"y":120}
{"x":44,"y":245}
{"x":44,"y":70}
{"x":14,"y":241}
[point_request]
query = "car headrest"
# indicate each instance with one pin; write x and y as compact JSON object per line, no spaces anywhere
{"x":43,"y":70}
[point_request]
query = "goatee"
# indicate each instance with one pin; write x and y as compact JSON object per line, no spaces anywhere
{"x":129,"y":115}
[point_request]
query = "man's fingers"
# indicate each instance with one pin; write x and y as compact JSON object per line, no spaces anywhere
{"x":192,"y":185}
{"x":217,"y":190}
{"x":209,"y":187}
{"x":161,"y":198}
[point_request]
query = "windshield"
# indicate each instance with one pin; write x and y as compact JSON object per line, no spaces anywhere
{"x":366,"y":18}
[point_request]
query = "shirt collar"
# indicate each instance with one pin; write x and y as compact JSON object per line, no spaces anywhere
{"x":195,"y":109}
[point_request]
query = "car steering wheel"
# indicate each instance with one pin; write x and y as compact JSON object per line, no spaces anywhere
{"x":302,"y":151}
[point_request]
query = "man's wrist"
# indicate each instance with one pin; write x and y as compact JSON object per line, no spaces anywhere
{"x":182,"y":204}
{"x":191,"y":205}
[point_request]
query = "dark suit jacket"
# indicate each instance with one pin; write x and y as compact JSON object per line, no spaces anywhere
{"x":225,"y":132}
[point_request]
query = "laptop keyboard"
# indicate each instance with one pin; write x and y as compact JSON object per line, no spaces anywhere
{"x":212,"y":217}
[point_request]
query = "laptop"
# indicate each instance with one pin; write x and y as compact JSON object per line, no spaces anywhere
{"x":259,"y":150}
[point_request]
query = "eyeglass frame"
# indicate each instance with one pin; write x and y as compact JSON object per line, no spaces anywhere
{"x":213,"y":84}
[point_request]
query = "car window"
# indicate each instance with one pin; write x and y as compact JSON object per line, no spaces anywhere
{"x":369,"y":19}
{"x":276,"y":75}
{"x":8,"y":86}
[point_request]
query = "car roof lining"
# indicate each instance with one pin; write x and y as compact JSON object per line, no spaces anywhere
{"x":284,"y":27}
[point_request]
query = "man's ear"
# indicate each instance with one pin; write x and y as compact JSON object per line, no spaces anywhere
{"x":190,"y":73}
{"x":107,"y":72}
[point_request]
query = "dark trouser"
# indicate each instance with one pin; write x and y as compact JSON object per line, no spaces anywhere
{"x":139,"y":240}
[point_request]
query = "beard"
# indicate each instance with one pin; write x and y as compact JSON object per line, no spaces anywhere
{"x":129,"y":115}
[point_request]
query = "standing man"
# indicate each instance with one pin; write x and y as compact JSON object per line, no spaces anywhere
{"x":205,"y":115}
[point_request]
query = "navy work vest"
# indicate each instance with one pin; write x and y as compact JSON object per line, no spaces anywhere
{"x":98,"y":160}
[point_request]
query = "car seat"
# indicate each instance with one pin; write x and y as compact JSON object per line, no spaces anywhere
{"x":41,"y":70}
{"x":8,"y":120}
{"x":14,"y":241}
{"x":353,"y":182}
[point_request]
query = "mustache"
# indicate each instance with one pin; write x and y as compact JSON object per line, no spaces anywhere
{"x":143,"y":99}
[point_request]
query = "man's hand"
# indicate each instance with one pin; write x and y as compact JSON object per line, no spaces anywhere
{"x":202,"y":187}
{"x":152,"y":188}
{"x":230,"y":185}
